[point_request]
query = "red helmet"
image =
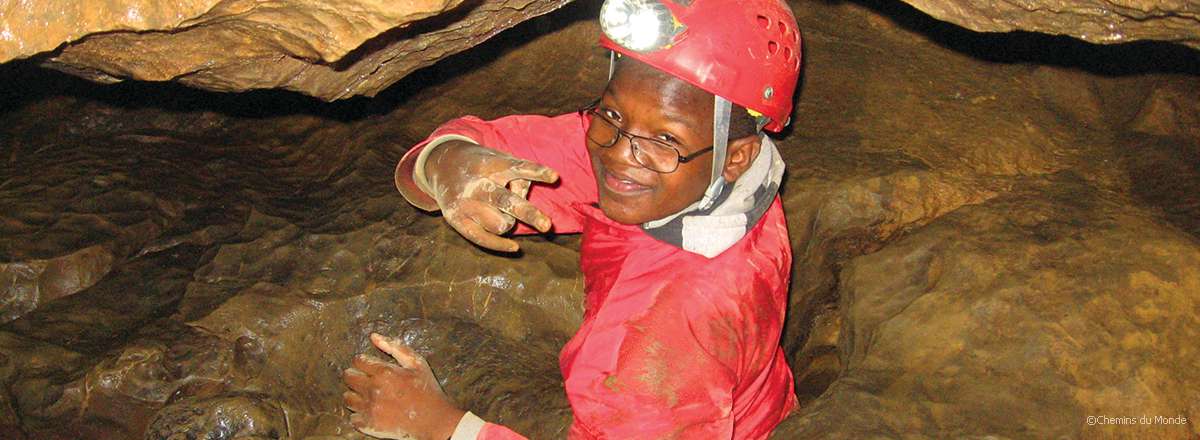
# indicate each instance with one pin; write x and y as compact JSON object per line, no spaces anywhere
{"x":747,"y":52}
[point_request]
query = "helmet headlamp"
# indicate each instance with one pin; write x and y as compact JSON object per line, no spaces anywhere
{"x":639,"y":25}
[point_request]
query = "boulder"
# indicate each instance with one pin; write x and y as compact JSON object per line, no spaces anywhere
{"x":1053,"y":311}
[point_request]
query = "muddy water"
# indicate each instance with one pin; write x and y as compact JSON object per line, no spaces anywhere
{"x":181,"y":263}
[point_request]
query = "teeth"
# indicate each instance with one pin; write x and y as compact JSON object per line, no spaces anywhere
{"x":623,"y":183}
{"x":622,"y":179}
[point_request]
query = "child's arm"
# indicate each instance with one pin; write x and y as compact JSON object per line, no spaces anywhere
{"x":668,"y":372}
{"x":485,"y":167}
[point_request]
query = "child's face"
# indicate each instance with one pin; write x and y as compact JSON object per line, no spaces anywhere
{"x":652,"y":104}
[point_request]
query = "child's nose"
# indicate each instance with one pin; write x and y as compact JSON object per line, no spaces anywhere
{"x":623,"y":152}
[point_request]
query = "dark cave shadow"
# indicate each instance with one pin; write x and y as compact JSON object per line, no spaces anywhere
{"x":1133,"y":58}
{"x":38,"y":83}
{"x":1165,"y":176}
{"x":34,"y":83}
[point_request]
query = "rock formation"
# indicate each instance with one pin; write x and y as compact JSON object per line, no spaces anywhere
{"x":1096,"y":21}
{"x":331,"y":49}
{"x":336,"y":49}
{"x":989,"y":241}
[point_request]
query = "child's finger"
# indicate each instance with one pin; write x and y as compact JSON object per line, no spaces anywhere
{"x":523,"y":169}
{"x":357,"y":421}
{"x":354,"y":401}
{"x":356,"y":380}
{"x":475,"y":233}
{"x":402,"y":353}
{"x":490,"y":218}
{"x":520,"y":187}
{"x":518,"y":207}
{"x":368,"y":364}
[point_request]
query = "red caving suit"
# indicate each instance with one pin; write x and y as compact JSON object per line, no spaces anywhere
{"x":673,"y":344}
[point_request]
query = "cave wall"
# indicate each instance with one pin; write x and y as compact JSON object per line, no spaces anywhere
{"x":993,"y":236}
{"x":278,"y":240}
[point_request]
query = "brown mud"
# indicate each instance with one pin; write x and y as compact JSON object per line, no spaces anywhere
{"x":993,"y":235}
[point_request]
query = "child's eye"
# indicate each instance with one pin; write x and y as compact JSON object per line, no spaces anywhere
{"x":610,"y":114}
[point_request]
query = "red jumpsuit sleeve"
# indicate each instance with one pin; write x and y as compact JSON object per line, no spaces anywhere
{"x":557,"y":142}
{"x":674,"y":373}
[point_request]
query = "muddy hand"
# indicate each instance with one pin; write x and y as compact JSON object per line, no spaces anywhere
{"x":396,"y":401}
{"x":481,"y":192}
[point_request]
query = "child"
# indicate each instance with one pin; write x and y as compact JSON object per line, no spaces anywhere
{"x":685,"y":252}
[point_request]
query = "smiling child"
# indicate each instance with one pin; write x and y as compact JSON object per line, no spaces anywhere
{"x":685,"y":251}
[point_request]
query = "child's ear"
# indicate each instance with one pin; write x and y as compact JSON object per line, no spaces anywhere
{"x":742,"y":153}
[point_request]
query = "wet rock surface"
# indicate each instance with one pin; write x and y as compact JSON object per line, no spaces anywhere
{"x":992,"y":236}
{"x":1020,"y":318}
{"x":330,"y":49}
{"x":302,"y":27}
{"x":1097,"y":21}
{"x":220,"y":418}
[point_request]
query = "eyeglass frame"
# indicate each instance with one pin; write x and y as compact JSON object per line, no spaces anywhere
{"x":592,"y":110}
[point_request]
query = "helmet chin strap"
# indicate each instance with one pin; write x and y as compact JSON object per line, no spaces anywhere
{"x":612,"y":63}
{"x":721,"y":111}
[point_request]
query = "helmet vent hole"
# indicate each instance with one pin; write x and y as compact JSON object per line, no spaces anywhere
{"x":763,"y":21}
{"x":787,"y":53}
{"x":772,"y":47}
{"x":783,"y":29}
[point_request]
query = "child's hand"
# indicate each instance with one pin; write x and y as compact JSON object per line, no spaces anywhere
{"x":481,"y":192}
{"x":395,"y":401}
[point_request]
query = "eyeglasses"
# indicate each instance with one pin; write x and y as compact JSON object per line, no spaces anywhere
{"x":653,"y":154}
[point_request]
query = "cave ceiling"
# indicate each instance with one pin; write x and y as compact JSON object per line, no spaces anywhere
{"x":335,"y":49}
{"x":1096,"y":21}
{"x":329,"y":49}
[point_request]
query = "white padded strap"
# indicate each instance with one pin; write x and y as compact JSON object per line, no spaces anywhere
{"x":721,"y":113}
{"x":468,"y":427}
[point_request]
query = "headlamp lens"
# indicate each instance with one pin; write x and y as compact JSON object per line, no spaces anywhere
{"x":639,"y":25}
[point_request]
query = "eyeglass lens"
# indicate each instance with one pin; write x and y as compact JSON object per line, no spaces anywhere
{"x":650,"y":153}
